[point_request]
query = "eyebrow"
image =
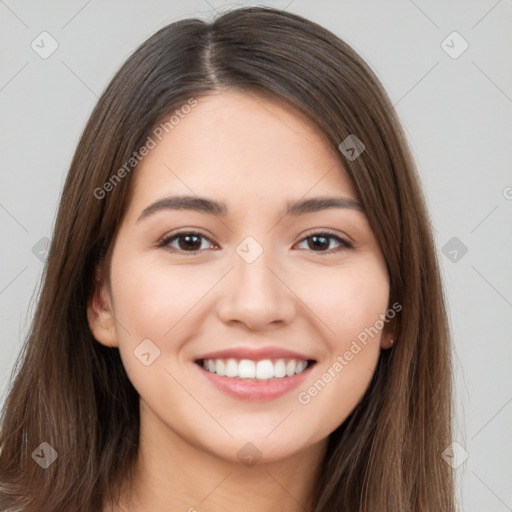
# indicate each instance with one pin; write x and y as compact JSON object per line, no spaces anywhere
{"x":211,"y":207}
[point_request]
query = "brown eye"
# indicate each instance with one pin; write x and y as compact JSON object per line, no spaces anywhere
{"x":191,"y":242}
{"x":185,"y":242}
{"x":322,"y":242}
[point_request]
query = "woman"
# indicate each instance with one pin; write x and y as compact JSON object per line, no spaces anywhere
{"x":241,"y":307}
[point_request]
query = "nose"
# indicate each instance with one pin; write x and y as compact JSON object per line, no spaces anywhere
{"x":256,"y":295}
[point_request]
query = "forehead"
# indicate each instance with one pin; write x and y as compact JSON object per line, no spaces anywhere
{"x":237,"y":145}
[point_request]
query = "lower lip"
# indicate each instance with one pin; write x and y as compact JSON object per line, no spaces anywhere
{"x":253,"y":389}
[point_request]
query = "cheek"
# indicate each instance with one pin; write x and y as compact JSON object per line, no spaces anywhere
{"x":349,"y":299}
{"x":152,"y":298}
{"x":153,"y":301}
{"x":349,"y":303}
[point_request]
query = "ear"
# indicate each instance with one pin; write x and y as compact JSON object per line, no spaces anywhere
{"x":100,"y":313}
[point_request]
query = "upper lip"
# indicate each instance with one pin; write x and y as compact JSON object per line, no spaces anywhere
{"x":255,"y":353}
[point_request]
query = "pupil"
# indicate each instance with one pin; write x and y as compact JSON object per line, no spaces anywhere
{"x":189,"y":244}
{"x":325,"y":242}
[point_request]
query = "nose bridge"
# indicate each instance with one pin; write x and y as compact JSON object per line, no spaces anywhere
{"x":254,"y":281}
{"x":251,"y":269}
{"x":254,"y":295}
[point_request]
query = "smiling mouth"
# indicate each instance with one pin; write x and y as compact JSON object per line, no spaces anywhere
{"x":255,"y":370}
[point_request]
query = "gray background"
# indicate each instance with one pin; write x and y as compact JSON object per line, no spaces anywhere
{"x":456,"y":113}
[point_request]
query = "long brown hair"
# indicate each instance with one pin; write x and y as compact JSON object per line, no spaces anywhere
{"x":73,"y":393}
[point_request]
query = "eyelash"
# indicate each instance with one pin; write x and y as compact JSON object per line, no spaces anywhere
{"x":326,"y":234}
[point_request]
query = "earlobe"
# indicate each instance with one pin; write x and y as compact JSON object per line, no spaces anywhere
{"x":389,"y":335}
{"x":388,"y":343}
{"x":100,"y":314}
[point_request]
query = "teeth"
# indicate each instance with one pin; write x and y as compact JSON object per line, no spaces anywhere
{"x":279,"y":369}
{"x":261,"y":370}
{"x":264,"y":369}
{"x":246,"y":369}
{"x":220,"y":367}
{"x":231,"y":368}
{"x":301,"y":366}
{"x":290,"y":368}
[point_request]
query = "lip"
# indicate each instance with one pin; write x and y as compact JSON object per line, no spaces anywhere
{"x":255,"y":354}
{"x":252,"y":389}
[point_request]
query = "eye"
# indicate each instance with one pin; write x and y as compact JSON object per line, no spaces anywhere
{"x":187,"y":241}
{"x":191,"y":242}
{"x":319,"y":242}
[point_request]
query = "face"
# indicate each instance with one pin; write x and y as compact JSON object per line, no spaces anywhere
{"x":245,"y":322}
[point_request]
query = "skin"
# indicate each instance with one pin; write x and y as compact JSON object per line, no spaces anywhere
{"x":254,"y":154}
